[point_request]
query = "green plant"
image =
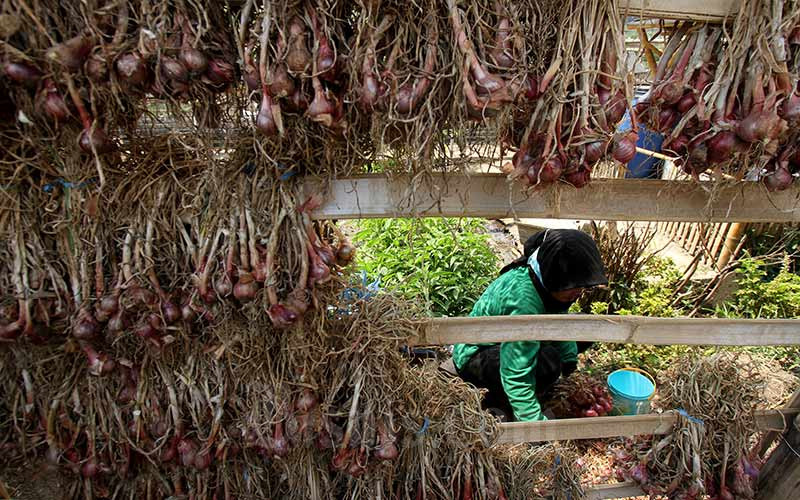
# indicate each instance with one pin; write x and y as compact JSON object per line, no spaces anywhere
{"x":758,"y":296}
{"x":447,"y":263}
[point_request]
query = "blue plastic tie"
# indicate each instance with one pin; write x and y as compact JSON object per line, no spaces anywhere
{"x":286,"y":175}
{"x":692,"y":419}
{"x":50,"y":186}
{"x":422,"y":430}
{"x":365,"y":291}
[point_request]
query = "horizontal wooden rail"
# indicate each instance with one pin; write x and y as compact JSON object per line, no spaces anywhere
{"x":617,"y":329}
{"x":608,"y":491}
{"x":606,"y":427}
{"x":491,"y":196}
{"x":712,"y":10}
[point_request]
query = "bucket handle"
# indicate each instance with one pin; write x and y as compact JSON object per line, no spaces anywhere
{"x":649,"y":377}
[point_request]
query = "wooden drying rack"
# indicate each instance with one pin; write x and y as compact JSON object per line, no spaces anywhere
{"x":491,"y":196}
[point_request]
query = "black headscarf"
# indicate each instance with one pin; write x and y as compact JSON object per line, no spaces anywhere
{"x":567,"y":259}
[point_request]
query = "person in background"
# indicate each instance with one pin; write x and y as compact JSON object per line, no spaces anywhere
{"x":556,"y":267}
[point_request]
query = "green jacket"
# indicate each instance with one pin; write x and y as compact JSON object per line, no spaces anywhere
{"x":514,"y":293}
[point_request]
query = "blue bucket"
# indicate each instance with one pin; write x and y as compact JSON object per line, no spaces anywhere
{"x":631,"y":389}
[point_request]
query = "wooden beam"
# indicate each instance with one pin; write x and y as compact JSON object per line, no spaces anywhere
{"x":605,"y":427}
{"x":618,"y":329}
{"x":606,"y":491}
{"x":712,"y":10}
{"x":779,"y":478}
{"x":491,"y":196}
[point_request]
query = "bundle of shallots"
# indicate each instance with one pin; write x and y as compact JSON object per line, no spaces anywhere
{"x":726,"y":96}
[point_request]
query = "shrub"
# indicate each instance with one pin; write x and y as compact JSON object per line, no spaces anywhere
{"x":447,"y":263}
{"x":758,"y":296}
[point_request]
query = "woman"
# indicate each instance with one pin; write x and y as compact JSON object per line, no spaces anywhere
{"x":554,"y":270}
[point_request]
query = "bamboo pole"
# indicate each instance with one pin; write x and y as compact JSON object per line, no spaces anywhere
{"x":731,"y":242}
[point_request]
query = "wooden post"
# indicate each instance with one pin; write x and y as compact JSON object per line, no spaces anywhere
{"x":779,"y":479}
{"x":731,"y":242}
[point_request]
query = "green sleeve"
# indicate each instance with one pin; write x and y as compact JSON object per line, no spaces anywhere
{"x":518,"y":374}
{"x":568,"y":351}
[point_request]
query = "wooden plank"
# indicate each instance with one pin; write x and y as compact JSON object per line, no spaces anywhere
{"x":620,"y":490}
{"x":492,"y":196}
{"x":619,"y":329}
{"x":605,"y":427}
{"x":679,"y":9}
{"x":769,"y":437}
{"x":779,"y":479}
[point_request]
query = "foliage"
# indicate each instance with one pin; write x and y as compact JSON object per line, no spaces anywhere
{"x":648,"y":294}
{"x":605,"y":358}
{"x":624,"y":255}
{"x":758,"y":296}
{"x":782,"y":240}
{"x":445,"y":262}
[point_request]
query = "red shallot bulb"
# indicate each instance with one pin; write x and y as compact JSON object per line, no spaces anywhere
{"x":669,"y":92}
{"x":172,"y":69}
{"x":532,"y":88}
{"x":220,"y":73}
{"x":131,"y":69}
{"x":91,"y":468}
{"x":759,"y":125}
{"x":53,"y":103}
{"x":687,"y":101}
{"x":623,"y":149}
{"x":22,"y":73}
{"x":99,"y":363}
{"x":721,"y":147}
{"x":615,"y":108}
{"x":345,"y":253}
{"x":594,"y":151}
{"x":265,"y":120}
{"x":87,"y":327}
{"x":72,"y":53}
{"x":246,"y":287}
{"x":117,"y":323}
{"x":678,"y":145}
{"x":522,"y":161}
{"x":545,"y":172}
{"x":252,"y":78}
{"x":790,"y":109}
{"x":170,"y":311}
{"x":202,"y":460}
{"x":280,"y":446}
{"x":194,"y":60}
{"x":109,"y":304}
{"x":326,"y":59}
{"x":321,"y":110}
{"x":97,"y":69}
{"x":778,"y":180}
{"x":95,"y":138}
{"x":667,"y":118}
{"x":281,"y":316}
{"x":298,"y":57}
{"x":188,"y":313}
{"x":282,"y":84}
{"x":187,"y":449}
{"x":579,"y":177}
{"x":697,"y":161}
